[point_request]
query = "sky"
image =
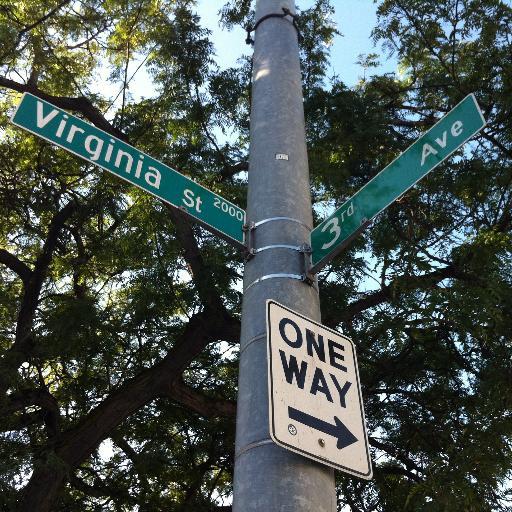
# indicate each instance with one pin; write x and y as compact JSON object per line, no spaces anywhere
{"x":355,"y":20}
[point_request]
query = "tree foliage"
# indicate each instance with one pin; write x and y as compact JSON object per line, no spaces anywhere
{"x":119,"y":321}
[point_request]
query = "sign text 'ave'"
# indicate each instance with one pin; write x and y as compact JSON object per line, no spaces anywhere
{"x":434,"y":146}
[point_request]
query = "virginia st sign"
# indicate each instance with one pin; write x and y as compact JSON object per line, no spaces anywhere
{"x":112,"y":154}
{"x":434,"y":146}
{"x":315,"y":403}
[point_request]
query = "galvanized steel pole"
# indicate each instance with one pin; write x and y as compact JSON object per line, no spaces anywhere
{"x":269,"y":478}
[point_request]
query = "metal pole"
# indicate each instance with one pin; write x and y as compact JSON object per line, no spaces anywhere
{"x":269,"y":478}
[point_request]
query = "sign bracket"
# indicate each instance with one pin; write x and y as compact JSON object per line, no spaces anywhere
{"x":250,"y":251}
{"x":309,"y":275}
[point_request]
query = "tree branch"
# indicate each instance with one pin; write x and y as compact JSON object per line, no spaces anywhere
{"x":399,"y":286}
{"x":397,"y":470}
{"x":81,"y":104}
{"x":100,"y":490}
{"x":41,"y":397}
{"x":47,"y":16}
{"x":201,"y":275}
{"x":38,"y":275}
{"x":23,"y":344}
{"x":204,"y":405}
{"x":506,"y":151}
{"x":78,"y":442}
{"x":391,"y":450}
{"x":135,"y":459}
{"x":16,"y":265}
{"x":49,"y":413}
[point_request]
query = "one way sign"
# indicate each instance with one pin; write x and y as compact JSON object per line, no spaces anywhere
{"x":315,"y":404}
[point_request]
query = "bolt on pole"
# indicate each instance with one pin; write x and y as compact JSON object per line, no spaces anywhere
{"x":267,"y":477}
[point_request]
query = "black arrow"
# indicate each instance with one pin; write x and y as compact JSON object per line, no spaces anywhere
{"x":338,"y":430}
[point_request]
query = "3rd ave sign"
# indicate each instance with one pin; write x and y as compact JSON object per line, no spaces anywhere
{"x":112,"y":154}
{"x":315,"y":403}
{"x":434,"y":146}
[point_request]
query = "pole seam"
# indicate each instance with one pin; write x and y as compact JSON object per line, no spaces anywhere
{"x":251,"y":446}
{"x":252,"y":340}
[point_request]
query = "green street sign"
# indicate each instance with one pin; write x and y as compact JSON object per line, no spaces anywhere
{"x":434,"y":146}
{"x":112,"y":154}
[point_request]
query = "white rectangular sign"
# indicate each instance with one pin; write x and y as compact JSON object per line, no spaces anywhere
{"x":315,"y":403}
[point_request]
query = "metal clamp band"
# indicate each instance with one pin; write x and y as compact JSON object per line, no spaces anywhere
{"x":286,"y":12}
{"x":272,"y":219}
{"x":253,"y":340}
{"x":253,"y":445}
{"x":299,"y":248}
{"x":250,"y":227}
{"x":299,"y":277}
